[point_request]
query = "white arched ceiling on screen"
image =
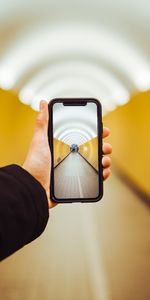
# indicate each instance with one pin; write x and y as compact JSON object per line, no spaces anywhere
{"x":75,"y":124}
{"x":88,"y":128}
{"x":90,"y":59}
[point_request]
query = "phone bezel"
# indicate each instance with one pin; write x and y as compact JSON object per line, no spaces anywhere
{"x":50,"y":139}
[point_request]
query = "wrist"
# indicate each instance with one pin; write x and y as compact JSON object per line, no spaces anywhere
{"x":37,"y":177}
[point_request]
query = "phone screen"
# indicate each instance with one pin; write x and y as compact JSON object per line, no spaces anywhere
{"x":75,"y":151}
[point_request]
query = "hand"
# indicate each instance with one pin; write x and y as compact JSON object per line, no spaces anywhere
{"x":38,"y":160}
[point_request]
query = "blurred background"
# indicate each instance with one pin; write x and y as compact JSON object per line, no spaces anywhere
{"x":81,"y":48}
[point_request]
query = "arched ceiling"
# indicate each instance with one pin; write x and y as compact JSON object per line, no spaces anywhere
{"x":74,"y":124}
{"x":88,"y":48}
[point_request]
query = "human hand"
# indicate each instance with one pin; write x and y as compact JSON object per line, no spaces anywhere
{"x":38,"y":160}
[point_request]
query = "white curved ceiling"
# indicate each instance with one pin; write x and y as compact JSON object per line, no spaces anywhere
{"x":74,"y":124}
{"x":60,"y":48}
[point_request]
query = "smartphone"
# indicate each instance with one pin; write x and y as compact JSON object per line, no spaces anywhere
{"x":75,"y":139}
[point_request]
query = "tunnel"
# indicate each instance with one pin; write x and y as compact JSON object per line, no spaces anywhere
{"x":98,"y":49}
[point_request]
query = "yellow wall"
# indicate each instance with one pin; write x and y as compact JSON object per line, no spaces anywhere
{"x":61,"y":150}
{"x":130,"y":137}
{"x":91,"y":154}
{"x":16,"y":128}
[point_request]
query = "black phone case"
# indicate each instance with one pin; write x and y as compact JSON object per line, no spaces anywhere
{"x":76,"y":101}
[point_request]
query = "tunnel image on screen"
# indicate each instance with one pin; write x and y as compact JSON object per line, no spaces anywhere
{"x":75,"y":147}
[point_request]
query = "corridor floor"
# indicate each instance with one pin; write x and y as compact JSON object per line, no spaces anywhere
{"x":75,"y":178}
{"x":95,"y":251}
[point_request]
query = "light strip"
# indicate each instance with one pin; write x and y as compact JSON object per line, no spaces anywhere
{"x":76,"y":76}
{"x":75,"y":139}
{"x":77,"y":39}
{"x":73,"y":132}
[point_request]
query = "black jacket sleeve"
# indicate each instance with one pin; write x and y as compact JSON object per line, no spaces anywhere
{"x":23,"y":209}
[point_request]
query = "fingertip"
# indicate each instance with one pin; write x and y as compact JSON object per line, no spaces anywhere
{"x":106,"y":161}
{"x":107,"y":148}
{"x":106,"y":132}
{"x":106,"y":173}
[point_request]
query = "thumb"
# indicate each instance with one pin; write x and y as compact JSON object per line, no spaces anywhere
{"x":43,"y":117}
